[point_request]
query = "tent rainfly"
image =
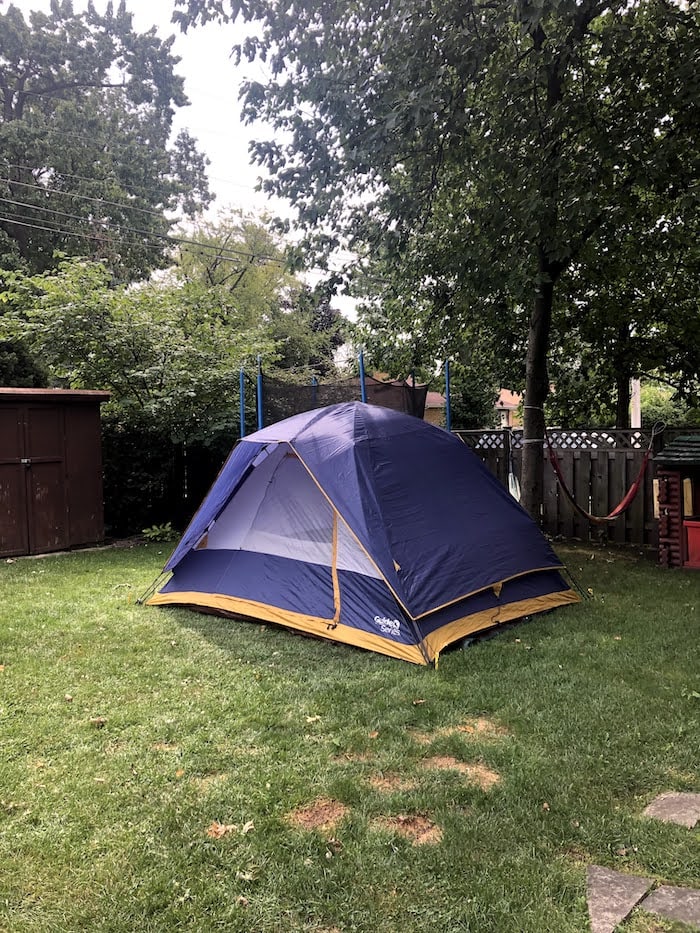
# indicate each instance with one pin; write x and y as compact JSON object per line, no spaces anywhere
{"x":366,"y":526}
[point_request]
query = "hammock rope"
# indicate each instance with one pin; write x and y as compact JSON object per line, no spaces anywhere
{"x":627,"y":499}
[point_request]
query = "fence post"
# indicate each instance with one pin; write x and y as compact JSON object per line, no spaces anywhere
{"x":261,"y":418}
{"x":363,"y":387}
{"x":448,"y":405}
{"x":241,"y":404}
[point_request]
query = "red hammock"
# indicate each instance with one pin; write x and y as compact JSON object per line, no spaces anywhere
{"x":621,"y":507}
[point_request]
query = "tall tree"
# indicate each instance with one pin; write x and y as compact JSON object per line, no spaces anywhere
{"x":170,"y":350}
{"x":164,"y":350}
{"x":86,"y":166}
{"x":486,"y":144}
{"x":244,"y":267}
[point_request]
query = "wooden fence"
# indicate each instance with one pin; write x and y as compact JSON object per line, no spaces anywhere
{"x":599,"y":466}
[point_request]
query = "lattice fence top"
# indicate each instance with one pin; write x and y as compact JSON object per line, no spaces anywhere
{"x":483,"y":440}
{"x":604,"y":439}
{"x":594,"y":439}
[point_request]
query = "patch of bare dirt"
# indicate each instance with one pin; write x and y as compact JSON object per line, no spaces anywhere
{"x":419,"y":829}
{"x":390,"y":781}
{"x":323,"y":814}
{"x":478,"y":774}
{"x":203,"y":783}
{"x":577,"y":855}
{"x":480,"y":727}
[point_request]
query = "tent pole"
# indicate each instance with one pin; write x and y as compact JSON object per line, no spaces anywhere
{"x":241,"y":406}
{"x":260,"y":395}
{"x":448,"y":405}
{"x":363,"y":387}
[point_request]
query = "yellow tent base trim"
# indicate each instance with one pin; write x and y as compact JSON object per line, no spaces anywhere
{"x":326,"y":628}
{"x":313,"y":625}
{"x":480,"y":621}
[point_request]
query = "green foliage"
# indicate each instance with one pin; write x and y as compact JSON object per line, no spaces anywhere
{"x":661,"y":403}
{"x":87,"y":166}
{"x":167,"y":352}
{"x":473,"y":396}
{"x":170,"y":352}
{"x":159,"y":533}
{"x":491,"y":157}
{"x":18,"y":368}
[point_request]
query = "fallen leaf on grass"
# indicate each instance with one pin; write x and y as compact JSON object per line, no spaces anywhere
{"x":99,"y":722}
{"x":2,"y":668}
{"x":217,"y":830}
{"x":418,"y":702}
{"x":374,"y":734}
{"x":311,"y":719}
{"x":247,"y":828}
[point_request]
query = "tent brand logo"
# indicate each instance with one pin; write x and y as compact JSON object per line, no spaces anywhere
{"x":388,"y":626}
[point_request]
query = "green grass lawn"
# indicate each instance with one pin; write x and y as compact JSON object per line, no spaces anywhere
{"x":155,"y":765}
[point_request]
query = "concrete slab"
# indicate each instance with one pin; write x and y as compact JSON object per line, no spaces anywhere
{"x":683,"y":809}
{"x":612,"y":896}
{"x":675,"y":904}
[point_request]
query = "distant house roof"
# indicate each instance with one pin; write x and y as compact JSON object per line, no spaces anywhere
{"x":435,"y":400}
{"x":681,"y":451}
{"x":508,"y":400}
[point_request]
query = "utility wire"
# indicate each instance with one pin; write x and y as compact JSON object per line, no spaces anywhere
{"x":78,"y":197}
{"x":174,"y":240}
{"x":227,"y":254}
{"x":35,"y":168}
{"x":131,"y":188}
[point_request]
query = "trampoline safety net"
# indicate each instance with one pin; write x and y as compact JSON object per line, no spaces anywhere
{"x":283,"y":399}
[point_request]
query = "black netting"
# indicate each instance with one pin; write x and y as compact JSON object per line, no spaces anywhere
{"x":283,"y":399}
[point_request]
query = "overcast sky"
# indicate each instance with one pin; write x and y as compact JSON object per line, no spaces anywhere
{"x":211,"y":84}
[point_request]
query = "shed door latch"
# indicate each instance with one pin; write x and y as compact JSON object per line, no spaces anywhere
{"x":26,"y":461}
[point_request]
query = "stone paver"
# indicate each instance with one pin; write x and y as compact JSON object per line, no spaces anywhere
{"x":612,"y":896}
{"x":683,"y":809}
{"x":675,"y":904}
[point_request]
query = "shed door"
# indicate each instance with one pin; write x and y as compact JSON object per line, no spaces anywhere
{"x":32,"y":480}
{"x":14,"y":524}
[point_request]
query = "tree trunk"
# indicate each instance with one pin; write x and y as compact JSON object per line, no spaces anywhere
{"x":536,"y":389}
{"x":623,"y":376}
{"x":624,"y":397}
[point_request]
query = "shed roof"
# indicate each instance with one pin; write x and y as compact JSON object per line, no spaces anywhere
{"x":683,"y":450}
{"x":16,"y":394}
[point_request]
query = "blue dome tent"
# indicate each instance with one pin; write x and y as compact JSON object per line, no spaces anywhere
{"x":363,"y":525}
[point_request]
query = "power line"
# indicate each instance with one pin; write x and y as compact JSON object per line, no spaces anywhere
{"x":228,"y":254}
{"x":131,"y":188}
{"x":34,"y":168}
{"x":122,"y":228}
{"x":80,"y":197}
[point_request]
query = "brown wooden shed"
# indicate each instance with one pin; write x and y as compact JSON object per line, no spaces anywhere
{"x":677,"y":494}
{"x":50,"y":470}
